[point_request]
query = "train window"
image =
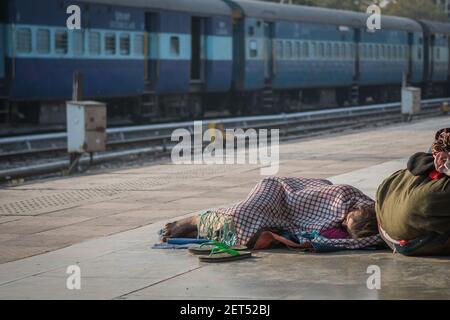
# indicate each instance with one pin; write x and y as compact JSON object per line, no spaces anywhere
{"x":351,"y":50}
{"x":321,"y":50}
{"x":438,"y":53}
{"x":377,"y":51}
{"x":253,"y":46}
{"x":78,"y":42}
{"x":419,"y":53}
{"x":125,"y":44}
{"x":139,"y":44}
{"x":23,"y":40}
{"x":61,"y":42}
{"x":110,"y":43}
{"x":394,"y":52}
{"x":363,"y":51}
{"x":371,"y":51}
{"x":328,"y":50}
{"x":343,"y":51}
{"x":336,"y":51}
{"x":305,"y":49}
{"x":280,"y":50}
{"x":43,"y":41}
{"x":288,"y":50}
{"x":94,"y":43}
{"x":175,"y":46}
{"x":388,"y":52}
{"x":298,"y":51}
{"x":251,"y":31}
{"x":314,"y":50}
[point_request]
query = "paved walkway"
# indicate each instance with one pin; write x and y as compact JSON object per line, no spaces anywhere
{"x":107,"y":222}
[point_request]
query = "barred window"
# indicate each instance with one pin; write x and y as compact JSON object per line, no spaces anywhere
{"x":61,"y":42}
{"x":336,"y":51}
{"x":94,"y":43}
{"x":314,"y":49}
{"x":43,"y":41}
{"x":175,"y":46}
{"x":280,"y":51}
{"x":306,"y":49}
{"x":23,"y":40}
{"x":321,"y":50}
{"x":298,"y":50}
{"x":139,"y":44}
{"x":344,"y":52}
{"x":125,"y":44}
{"x":288,"y":50}
{"x":110,"y":44}
{"x":78,"y":42}
{"x":253,"y":46}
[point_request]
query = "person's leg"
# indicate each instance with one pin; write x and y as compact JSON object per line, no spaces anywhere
{"x":184,"y":228}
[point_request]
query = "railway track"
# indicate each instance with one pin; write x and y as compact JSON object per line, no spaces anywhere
{"x":18,"y":155}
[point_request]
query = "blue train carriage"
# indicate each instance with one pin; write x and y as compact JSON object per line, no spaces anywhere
{"x":131,"y":53}
{"x":3,"y":106}
{"x":190,"y":56}
{"x":288,"y":56}
{"x":43,"y":54}
{"x":436,"y":58}
{"x":387,"y":55}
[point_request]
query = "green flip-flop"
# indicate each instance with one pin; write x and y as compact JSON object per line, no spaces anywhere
{"x":223,"y":253}
{"x":207,"y":248}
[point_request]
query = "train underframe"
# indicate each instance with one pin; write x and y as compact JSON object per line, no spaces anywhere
{"x":150,"y":108}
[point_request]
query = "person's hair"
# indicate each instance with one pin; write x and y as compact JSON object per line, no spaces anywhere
{"x":442,"y":142}
{"x":365,"y":223}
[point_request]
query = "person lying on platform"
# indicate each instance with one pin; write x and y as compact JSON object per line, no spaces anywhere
{"x":413,"y":205}
{"x":301,"y":213}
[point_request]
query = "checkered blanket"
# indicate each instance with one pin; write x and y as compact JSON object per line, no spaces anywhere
{"x":300,"y":206}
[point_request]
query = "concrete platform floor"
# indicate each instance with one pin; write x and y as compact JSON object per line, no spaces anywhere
{"x":107,"y":222}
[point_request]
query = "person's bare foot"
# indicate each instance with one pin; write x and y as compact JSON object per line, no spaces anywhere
{"x":185,"y":228}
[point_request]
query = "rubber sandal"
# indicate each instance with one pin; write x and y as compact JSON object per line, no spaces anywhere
{"x":225,"y":256}
{"x":223,"y":253}
{"x":208,"y":247}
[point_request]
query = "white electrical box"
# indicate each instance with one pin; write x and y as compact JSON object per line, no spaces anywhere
{"x":86,"y":126}
{"x":411,"y":100}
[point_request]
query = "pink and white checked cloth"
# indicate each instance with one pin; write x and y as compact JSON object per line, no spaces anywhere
{"x":298,"y":205}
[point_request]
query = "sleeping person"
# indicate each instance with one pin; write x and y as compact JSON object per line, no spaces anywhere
{"x":413,"y":205}
{"x":308,"y":211}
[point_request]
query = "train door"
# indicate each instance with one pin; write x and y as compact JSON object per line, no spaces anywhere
{"x":151,"y":48}
{"x":2,"y":50}
{"x":409,"y":72}
{"x":431,"y":56}
{"x":268,"y":50}
{"x":198,"y":46}
{"x":356,"y":55}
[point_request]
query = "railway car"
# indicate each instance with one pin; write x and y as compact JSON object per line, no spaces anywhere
{"x":285,"y":54}
{"x":158,"y":58}
{"x":436,"y":68}
{"x":174,"y":59}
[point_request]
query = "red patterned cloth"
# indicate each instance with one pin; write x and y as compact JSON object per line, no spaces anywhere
{"x":298,"y":205}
